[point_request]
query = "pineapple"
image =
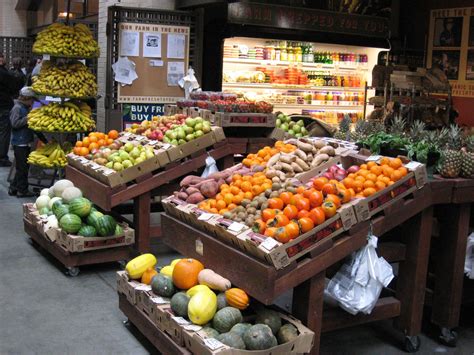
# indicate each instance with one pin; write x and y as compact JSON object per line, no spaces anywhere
{"x":398,"y":126}
{"x":360,"y":131}
{"x":376,"y":127}
{"x":417,"y":131}
{"x":467,"y":165}
{"x":451,"y":156}
{"x":344,"y":129}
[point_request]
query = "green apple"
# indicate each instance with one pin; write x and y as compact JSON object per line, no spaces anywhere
{"x":174,"y":142}
{"x":118,"y":166}
{"x":291,"y":124}
{"x":304,"y":131}
{"x":149,"y":154}
{"x":190,"y":122}
{"x":300,"y":123}
{"x":284,"y":127}
{"x":190,"y":137}
{"x":169,"y":134}
{"x":117,"y":159}
{"x":135,"y":153}
{"x":206,"y":127}
{"x":139,"y":160}
{"x":181,"y":142}
{"x":278,"y":122}
{"x":112,"y":156}
{"x":198,"y":133}
{"x":180,"y":133}
{"x":281,"y":116}
{"x":166,"y":139}
{"x":290,"y":131}
{"x":297,"y":128}
{"x":127,"y":164}
{"x":188,"y":130}
{"x":128,"y":147}
{"x":198,"y":127}
{"x":110,"y":165}
{"x":123,"y":155}
{"x":298,"y":135}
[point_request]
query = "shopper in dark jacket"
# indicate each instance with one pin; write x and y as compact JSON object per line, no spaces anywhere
{"x":8,"y":88}
{"x":22,"y":137}
{"x":17,"y":71}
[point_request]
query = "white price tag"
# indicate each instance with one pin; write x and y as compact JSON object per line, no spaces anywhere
{"x":374,"y":158}
{"x":269,"y":243}
{"x":46,"y":57}
{"x":236,"y":227}
{"x":108,"y":172}
{"x":213,"y":344}
{"x":205,"y":216}
{"x":193,"y":327}
{"x":139,"y":138}
{"x":95,"y":166}
{"x":143,"y":288}
{"x":166,"y":146}
{"x":180,"y":320}
{"x":412,"y":165}
{"x":127,"y":134}
{"x":159,"y":300}
{"x":152,"y":142}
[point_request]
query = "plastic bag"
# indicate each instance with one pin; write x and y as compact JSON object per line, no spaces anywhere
{"x":210,"y":168}
{"x":189,"y":83}
{"x":357,"y":285}
{"x":469,"y":263}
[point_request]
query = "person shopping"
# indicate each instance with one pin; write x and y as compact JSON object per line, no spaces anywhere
{"x":8,"y":89}
{"x":22,"y":137}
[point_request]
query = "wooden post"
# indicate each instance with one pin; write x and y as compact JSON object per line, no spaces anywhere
{"x":308,"y":306}
{"x":141,"y":221}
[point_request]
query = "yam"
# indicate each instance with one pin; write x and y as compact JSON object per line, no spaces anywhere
{"x":319,"y":159}
{"x":271,"y":174}
{"x":209,"y":189}
{"x":190,"y":180}
{"x":287,"y":158}
{"x":182,"y":195}
{"x":273,"y":159}
{"x":300,"y":154}
{"x":296,"y":167}
{"x":220,"y":182}
{"x":195,"y":198}
{"x":276,"y":179}
{"x":305,"y":147}
{"x":219,"y":175}
{"x":277,"y":166}
{"x":303,"y":165}
{"x":190,"y":190}
{"x":257,"y":168}
{"x":286,"y":167}
{"x":327,"y":150}
{"x":318,"y":143}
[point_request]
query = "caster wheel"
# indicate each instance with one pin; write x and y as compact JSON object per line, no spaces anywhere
{"x":126,"y":322}
{"x":448,"y":337}
{"x":412,"y":344}
{"x":72,"y":271}
{"x":122,"y":264}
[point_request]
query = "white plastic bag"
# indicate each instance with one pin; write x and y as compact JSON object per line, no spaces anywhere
{"x":210,"y":168}
{"x":189,"y":83}
{"x":357,"y":285}
{"x":469,"y":263}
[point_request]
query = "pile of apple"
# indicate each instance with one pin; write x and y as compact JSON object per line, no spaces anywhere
{"x":191,"y":129}
{"x":157,"y":127}
{"x":296,"y":129}
{"x":120,"y":157}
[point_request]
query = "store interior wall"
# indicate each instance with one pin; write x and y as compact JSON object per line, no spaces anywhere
{"x":12,"y":22}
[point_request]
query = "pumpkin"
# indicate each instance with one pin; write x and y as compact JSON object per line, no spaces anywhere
{"x":209,"y":332}
{"x":148,"y":275}
{"x":195,"y":289}
{"x":162,"y":285}
{"x":80,"y":206}
{"x":232,"y":339}
{"x":259,"y":337}
{"x":237,"y":298}
{"x":179,"y":304}
{"x":226,"y":318}
{"x":137,"y":266}
{"x":221,"y":301}
{"x":185,"y":273}
{"x":286,"y":333}
{"x":215,"y":281}
{"x":202,"y":307}
{"x":241,"y":328}
{"x":270,"y":318}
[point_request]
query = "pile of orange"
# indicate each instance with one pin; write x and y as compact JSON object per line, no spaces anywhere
{"x":264,"y":154}
{"x":94,"y":141}
{"x":373,"y":177}
{"x":231,"y":195}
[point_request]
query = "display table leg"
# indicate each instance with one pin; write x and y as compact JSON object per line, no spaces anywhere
{"x":308,"y":306}
{"x":447,"y":296}
{"x":416,"y":234}
{"x":141,"y":221}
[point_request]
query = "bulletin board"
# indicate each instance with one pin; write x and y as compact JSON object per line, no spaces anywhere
{"x":160,"y":54}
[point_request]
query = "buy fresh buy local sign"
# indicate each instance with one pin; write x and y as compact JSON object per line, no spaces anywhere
{"x":136,"y":113}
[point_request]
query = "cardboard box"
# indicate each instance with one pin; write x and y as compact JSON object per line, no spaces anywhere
{"x":198,"y":343}
{"x":150,"y":304}
{"x":184,"y":150}
{"x":281,"y":255}
{"x":79,"y":244}
{"x":227,"y":230}
{"x":127,"y":287}
{"x":174,"y":206}
{"x":308,"y":175}
{"x":230,"y":119}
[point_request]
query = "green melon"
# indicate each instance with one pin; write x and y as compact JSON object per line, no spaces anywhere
{"x":231,"y":339}
{"x":221,"y":301}
{"x":44,"y":210}
{"x":118,"y":230}
{"x":241,"y":328}
{"x":226,"y":318}
{"x":70,"y":223}
{"x":286,"y":333}
{"x":80,"y":206}
{"x":259,"y":337}
{"x":106,"y":225}
{"x":59,"y":209}
{"x":93,"y":217}
{"x":179,"y":304}
{"x":87,"y":231}
{"x":162,"y":285}
{"x":270,"y":318}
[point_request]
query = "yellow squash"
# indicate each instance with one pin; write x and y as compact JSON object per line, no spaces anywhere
{"x":198,"y":288}
{"x":137,"y":266}
{"x":202,"y":307}
{"x":167,"y":270}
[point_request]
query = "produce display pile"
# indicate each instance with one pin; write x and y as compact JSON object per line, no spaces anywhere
{"x":296,"y":129}
{"x":66,"y":117}
{"x":66,"y":80}
{"x":50,"y":155}
{"x":209,"y":301}
{"x":66,"y":41}
{"x":230,"y":104}
{"x":93,"y":142}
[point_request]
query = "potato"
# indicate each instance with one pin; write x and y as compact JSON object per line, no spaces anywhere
{"x":251,"y":210}
{"x":268,"y":192}
{"x":274,"y":194}
{"x":276,"y":186}
{"x":245,"y":202}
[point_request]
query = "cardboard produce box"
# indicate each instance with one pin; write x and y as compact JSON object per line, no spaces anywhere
{"x":229,"y":119}
{"x":174,"y":206}
{"x":198,"y":343}
{"x":127,"y":287}
{"x":79,"y":244}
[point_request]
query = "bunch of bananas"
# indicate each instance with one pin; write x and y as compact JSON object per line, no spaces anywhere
{"x":61,"y":40}
{"x":67,"y":117}
{"x":68,"y":80}
{"x":50,"y":155}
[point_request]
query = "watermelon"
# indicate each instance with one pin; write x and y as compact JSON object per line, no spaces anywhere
{"x":93,"y":217}
{"x":80,"y":206}
{"x":118,"y":230}
{"x":87,"y":231}
{"x":70,"y":223}
{"x":59,"y":209}
{"x":106,"y":225}
{"x":44,"y":210}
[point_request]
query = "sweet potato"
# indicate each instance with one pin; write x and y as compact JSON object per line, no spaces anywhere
{"x":327,"y":150}
{"x":219,"y":175}
{"x":190,"y":180}
{"x":221,"y":182}
{"x":273,"y":159}
{"x":296,"y":168}
{"x":319,"y":159}
{"x":182,"y":195}
{"x":209,"y":189}
{"x":195,"y":198}
{"x":257,"y":168}
{"x":190,"y":190}
{"x":300,"y":154}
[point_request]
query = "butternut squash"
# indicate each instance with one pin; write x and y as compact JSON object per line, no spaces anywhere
{"x":214,"y":281}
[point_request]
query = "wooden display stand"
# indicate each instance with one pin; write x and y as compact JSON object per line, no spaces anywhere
{"x":72,"y":261}
{"x":306,"y":277}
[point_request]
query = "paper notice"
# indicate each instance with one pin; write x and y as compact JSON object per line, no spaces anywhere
{"x":152,"y":45}
{"x":124,"y":70}
{"x":175,"y":72}
{"x":130,"y":43}
{"x":176,"y":46}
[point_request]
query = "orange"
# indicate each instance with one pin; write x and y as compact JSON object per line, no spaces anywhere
{"x":348,"y":182}
{"x":368,"y":183}
{"x":363,"y":167}
{"x":237,"y":183}
{"x":396,"y":163}
{"x":380,"y":185}
{"x":213,"y":210}
{"x":390,"y":183}
{"x":246,"y":186}
{"x":219,"y":196}
{"x":360,"y":178}
{"x":403,"y":170}
{"x":396,"y":175}
{"x":83,"y":151}
{"x":248,"y":195}
{"x":372,"y":177}
{"x":102,"y":142}
{"x":386,"y":180}
{"x":220,"y":204}
{"x":387,"y":170}
{"x":369,"y":191}
{"x":228,"y":197}
{"x":93,"y":146}
{"x":212,"y":202}
{"x":109,"y":141}
{"x":371,"y":164}
{"x":231,"y":206}
{"x":358,"y":185}
{"x":257,"y":190}
{"x":79,"y":144}
{"x":234,"y":190}
{"x":363,"y":173}
{"x":236,"y":177}
{"x":385,"y":161}
{"x":380,"y":177}
{"x":86,"y":141}
{"x":237,"y":199}
{"x":224,"y":187}
{"x":93,"y":138}
{"x":113,"y":134}
{"x":352,"y":192}
{"x":266,"y":186}
{"x":377,"y":170}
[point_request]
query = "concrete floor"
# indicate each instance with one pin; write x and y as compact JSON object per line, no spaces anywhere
{"x":42,"y":311}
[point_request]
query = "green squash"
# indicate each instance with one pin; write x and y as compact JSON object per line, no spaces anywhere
{"x":231,"y":339}
{"x":241,"y":328}
{"x":221,"y":301}
{"x":270,"y":318}
{"x":106,"y":226}
{"x":59,"y":209}
{"x":87,"y":231}
{"x":210,"y":332}
{"x":162,"y":285}
{"x":80,"y":206}
{"x":93,"y":217}
{"x":259,"y":337}
{"x":179,"y":304}
{"x":226,"y":318}
{"x":286,"y":333}
{"x":70,"y":223}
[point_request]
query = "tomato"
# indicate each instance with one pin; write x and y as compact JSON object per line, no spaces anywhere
{"x":292,"y":230}
{"x":317,"y":215}
{"x":315,"y":198}
{"x":329,"y":208}
{"x":290,"y":211}
{"x":259,"y":226}
{"x":335,"y":199}
{"x":276,"y":203}
{"x":281,"y":235}
{"x":286,"y":197}
{"x":268,"y":213}
{"x":306,"y":224}
{"x":303,"y":213}
{"x":302,"y":203}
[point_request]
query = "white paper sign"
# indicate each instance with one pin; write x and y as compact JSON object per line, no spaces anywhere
{"x":180,"y":320}
{"x":212,"y":343}
{"x":124,"y":70}
{"x":156,"y":63}
{"x":269,"y":244}
{"x":236,"y":227}
{"x":192,"y":327}
{"x":176,"y":46}
{"x":205,"y":216}
{"x":143,"y":288}
{"x":374,"y":158}
{"x":130,"y":43}
{"x":152,"y":45}
{"x":175,"y":72}
{"x":159,"y":300}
